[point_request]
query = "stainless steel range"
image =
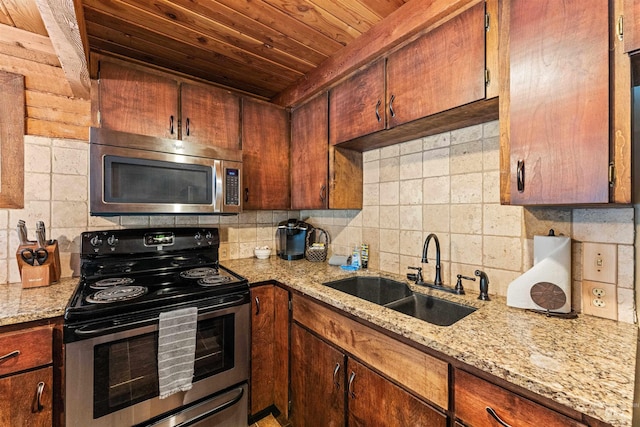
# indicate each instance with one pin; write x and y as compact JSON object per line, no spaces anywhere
{"x":129,"y":279}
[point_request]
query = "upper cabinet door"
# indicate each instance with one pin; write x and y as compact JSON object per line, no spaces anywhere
{"x":559,"y":102}
{"x":210,"y":116}
{"x":357,"y":105}
{"x":137,"y":102}
{"x":309,"y":154}
{"x":443,"y":69}
{"x":265,"y":156}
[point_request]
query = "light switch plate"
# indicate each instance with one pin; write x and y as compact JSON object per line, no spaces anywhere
{"x":600,"y":299}
{"x":599,"y":262}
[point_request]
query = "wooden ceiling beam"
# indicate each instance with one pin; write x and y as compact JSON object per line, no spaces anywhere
{"x":65,"y":25}
{"x":412,"y":18}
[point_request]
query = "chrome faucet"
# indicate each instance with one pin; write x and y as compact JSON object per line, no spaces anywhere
{"x":438,"y":279}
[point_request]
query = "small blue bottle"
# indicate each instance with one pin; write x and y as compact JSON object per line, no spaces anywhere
{"x":355,"y":258}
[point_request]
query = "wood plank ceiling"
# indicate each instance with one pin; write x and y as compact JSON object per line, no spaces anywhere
{"x":256,"y":46}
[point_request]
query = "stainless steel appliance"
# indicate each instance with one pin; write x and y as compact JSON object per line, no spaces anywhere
{"x":137,"y":174}
{"x":291,"y":239}
{"x":129,"y":277}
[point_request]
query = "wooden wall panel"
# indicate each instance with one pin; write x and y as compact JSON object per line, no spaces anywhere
{"x":51,"y":109}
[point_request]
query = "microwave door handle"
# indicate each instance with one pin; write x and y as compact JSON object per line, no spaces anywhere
{"x":217,"y":186}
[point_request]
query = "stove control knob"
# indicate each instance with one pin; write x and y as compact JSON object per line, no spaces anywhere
{"x":112,"y":240}
{"x":208,"y":236}
{"x":95,"y":241}
{"x":198,"y":236}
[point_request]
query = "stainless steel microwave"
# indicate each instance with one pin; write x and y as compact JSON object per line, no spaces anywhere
{"x":137,"y":174}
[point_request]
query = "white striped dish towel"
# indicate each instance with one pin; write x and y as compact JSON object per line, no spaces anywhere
{"x":176,"y":350}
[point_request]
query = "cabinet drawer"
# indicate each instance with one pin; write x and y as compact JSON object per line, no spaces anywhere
{"x":474,"y":398}
{"x":27,"y":399}
{"x":25,"y":349}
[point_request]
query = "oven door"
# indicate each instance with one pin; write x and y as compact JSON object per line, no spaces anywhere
{"x":112,"y":380}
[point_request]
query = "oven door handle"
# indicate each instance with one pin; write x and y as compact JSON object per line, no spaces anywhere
{"x":201,"y":312}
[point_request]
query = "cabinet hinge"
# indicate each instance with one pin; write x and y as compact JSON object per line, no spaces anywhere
{"x":487,"y":77}
{"x":99,"y":120}
{"x":487,"y":20}
{"x":289,"y":404}
{"x":290,"y":305}
{"x":620,"y":28}
{"x":612,"y":174}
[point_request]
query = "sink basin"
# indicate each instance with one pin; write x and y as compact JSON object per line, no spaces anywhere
{"x":430,"y":309}
{"x":374,"y":289}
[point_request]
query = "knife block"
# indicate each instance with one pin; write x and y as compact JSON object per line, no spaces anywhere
{"x":34,"y":276}
{"x":52,"y":264}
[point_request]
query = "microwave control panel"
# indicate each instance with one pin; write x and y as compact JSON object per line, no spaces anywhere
{"x":232,"y":187}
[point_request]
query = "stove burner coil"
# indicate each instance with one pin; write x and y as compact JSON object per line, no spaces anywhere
{"x":116,"y":294}
{"x":114,"y":281}
{"x":198,"y":273}
{"x":213,"y":280}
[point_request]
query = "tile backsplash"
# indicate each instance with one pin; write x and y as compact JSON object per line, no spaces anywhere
{"x":446,"y":184}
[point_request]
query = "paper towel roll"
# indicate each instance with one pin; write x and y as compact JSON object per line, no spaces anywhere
{"x":549,"y":279}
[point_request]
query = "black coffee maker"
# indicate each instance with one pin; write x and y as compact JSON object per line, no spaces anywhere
{"x":291,"y":239}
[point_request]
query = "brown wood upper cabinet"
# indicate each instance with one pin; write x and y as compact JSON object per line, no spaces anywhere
{"x":210,"y":116}
{"x":357,"y":105}
{"x":265,"y":156}
{"x":554,"y":107}
{"x":315,"y":182}
{"x":132,"y":99}
{"x":439,"y":71}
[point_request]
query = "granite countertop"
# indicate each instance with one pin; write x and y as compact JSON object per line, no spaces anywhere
{"x":18,"y":305}
{"x":587,"y":364}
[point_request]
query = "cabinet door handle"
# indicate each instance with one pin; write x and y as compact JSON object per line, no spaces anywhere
{"x":393,"y":113}
{"x":257,"y":306}
{"x":171,"y":125}
{"x":350,"y":390}
{"x":323,"y":192}
{"x":39,"y":392}
{"x":335,"y":372}
{"x":246,"y":194}
{"x":187,"y":126}
{"x":378,"y":110}
{"x":14,"y":353}
{"x":496,"y":417}
{"x":520,"y":175}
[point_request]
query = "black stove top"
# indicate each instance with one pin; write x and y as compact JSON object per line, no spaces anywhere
{"x":130,"y":271}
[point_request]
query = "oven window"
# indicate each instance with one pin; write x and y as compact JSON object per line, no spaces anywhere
{"x":130,"y":180}
{"x":126,"y":371}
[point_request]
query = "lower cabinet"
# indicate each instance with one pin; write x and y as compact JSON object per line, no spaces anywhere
{"x":30,"y":403}
{"x":317,"y":381}
{"x":345,"y":373}
{"x":269,"y":348}
{"x":26,"y":378}
{"x":480,"y":403}
{"x":320,"y":383}
{"x":374,"y":401}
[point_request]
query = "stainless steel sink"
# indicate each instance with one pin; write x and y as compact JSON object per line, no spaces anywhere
{"x":379,"y":290}
{"x":431,"y":309}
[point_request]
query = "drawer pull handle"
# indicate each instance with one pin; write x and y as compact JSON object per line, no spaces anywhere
{"x":171,"y":125}
{"x":257,"y":306}
{"x":14,"y":353}
{"x":391,"y":110}
{"x":335,"y":372}
{"x":520,"y":176}
{"x":350,"y":390}
{"x":496,"y":417}
{"x":39,"y":396}
{"x":378,"y":111}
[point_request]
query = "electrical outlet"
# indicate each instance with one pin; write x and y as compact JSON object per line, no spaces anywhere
{"x":223,"y":252}
{"x":599,"y":262}
{"x":600,"y":299}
